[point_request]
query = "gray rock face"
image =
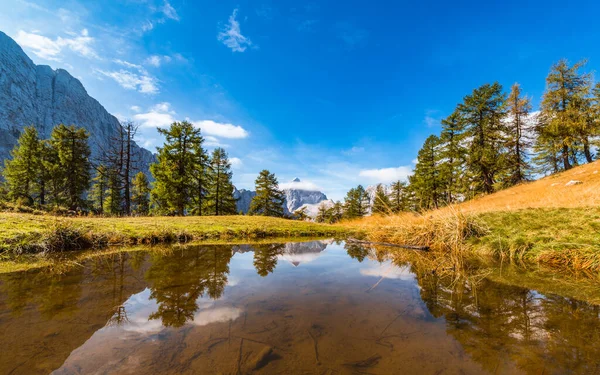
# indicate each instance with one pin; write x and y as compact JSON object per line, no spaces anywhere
{"x":40,"y":96}
{"x":244,"y":197}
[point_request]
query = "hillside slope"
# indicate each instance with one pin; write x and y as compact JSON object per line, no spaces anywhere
{"x":553,"y":221}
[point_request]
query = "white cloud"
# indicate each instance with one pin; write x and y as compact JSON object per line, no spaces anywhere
{"x":300,"y":185}
{"x":159,"y":115}
{"x":153,"y":60}
{"x":232,"y":37}
{"x":217,"y":129}
{"x":210,"y":141}
{"x":141,"y":82}
{"x":135,"y":108}
{"x":49,"y":49}
{"x":386,"y":175}
{"x":169,"y":11}
{"x":157,"y":60}
{"x":236,"y":163}
{"x":388,"y":271}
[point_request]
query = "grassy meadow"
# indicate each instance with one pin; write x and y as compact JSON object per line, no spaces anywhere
{"x":27,"y":233}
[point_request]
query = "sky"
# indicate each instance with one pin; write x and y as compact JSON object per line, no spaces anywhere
{"x":334,"y":93}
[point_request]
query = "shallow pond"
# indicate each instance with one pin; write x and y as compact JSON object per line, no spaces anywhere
{"x":298,"y":308}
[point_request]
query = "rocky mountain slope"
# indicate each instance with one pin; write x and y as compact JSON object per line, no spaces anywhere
{"x":38,"y":95}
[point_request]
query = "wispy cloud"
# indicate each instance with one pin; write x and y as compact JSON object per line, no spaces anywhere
{"x":231,"y":35}
{"x":386,"y":175}
{"x":157,"y":60}
{"x":169,"y":12}
{"x":432,"y":118}
{"x":140,"y":82}
{"x":350,"y":34}
{"x":236,"y":163}
{"x":159,"y":115}
{"x":223,"y":130}
{"x":51,"y":49}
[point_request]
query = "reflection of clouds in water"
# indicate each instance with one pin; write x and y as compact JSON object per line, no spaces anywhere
{"x":140,"y":306}
{"x":216,"y":315}
{"x":388,"y":271}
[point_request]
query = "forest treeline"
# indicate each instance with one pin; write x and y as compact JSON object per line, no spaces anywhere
{"x":57,"y":175}
{"x":492,"y":141}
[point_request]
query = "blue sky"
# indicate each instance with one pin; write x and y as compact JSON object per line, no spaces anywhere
{"x":334,"y":93}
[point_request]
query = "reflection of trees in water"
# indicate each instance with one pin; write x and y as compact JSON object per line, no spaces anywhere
{"x":496,"y":322}
{"x":356,"y":251}
{"x":178,"y":279}
{"x":265,"y":257}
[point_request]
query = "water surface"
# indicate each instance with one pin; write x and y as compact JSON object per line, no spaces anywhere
{"x":298,"y":308}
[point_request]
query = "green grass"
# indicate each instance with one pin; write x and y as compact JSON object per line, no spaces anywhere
{"x":25,"y":233}
{"x":558,"y":236}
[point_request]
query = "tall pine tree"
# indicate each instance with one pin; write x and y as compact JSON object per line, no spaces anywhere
{"x":173,"y":173}
{"x":73,"y":152}
{"x":482,"y":113}
{"x":221,"y":198}
{"x":99,"y":187}
{"x":426,"y":181}
{"x":356,"y":202}
{"x":140,"y":194}
{"x":518,"y":137}
{"x":562,"y":118}
{"x":269,"y":199}
{"x":23,"y":169}
{"x":399,"y":197}
{"x":452,"y":154}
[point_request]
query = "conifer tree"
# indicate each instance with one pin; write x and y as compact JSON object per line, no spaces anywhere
{"x":426,"y":182}
{"x":322,"y":214}
{"x":201,"y":180}
{"x":140,"y":194}
{"x":269,"y":199}
{"x":381,"y":201}
{"x":563,"y":111}
{"x":336,"y":213}
{"x":221,"y":198}
{"x":51,"y":176}
{"x":22,"y":170}
{"x":99,"y":188}
{"x":113,"y":203}
{"x":73,"y":152}
{"x":482,"y":112}
{"x":177,"y":159}
{"x":518,"y":138}
{"x":356,"y":203}
{"x":399,"y":197}
{"x":452,"y":155}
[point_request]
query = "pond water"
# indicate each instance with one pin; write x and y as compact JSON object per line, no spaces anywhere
{"x":298,"y":308}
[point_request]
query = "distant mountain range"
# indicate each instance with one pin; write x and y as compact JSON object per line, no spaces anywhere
{"x":297,"y":196}
{"x":40,"y":96}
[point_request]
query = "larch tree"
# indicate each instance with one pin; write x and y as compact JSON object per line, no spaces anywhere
{"x":563,"y":111}
{"x":269,"y":199}
{"x":518,"y":137}
{"x":221,"y":198}
{"x":356,"y":202}
{"x":482,"y":113}
{"x":452,"y":154}
{"x":381,"y":201}
{"x":140,"y":194}
{"x":426,"y":181}
{"x":73,"y":151}
{"x":174,"y":185}
{"x":113,"y":202}
{"x":399,"y":197}
{"x":23,"y":169}
{"x":99,"y":187}
{"x":202,"y":180}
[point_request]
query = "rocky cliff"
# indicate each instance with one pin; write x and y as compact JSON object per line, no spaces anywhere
{"x":38,"y":95}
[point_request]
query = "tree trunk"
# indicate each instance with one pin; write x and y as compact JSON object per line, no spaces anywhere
{"x":586,"y":150}
{"x":565,"y":157}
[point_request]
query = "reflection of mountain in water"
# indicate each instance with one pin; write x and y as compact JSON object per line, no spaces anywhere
{"x":303,"y":252}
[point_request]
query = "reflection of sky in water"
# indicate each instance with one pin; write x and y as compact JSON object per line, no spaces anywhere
{"x":140,"y":306}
